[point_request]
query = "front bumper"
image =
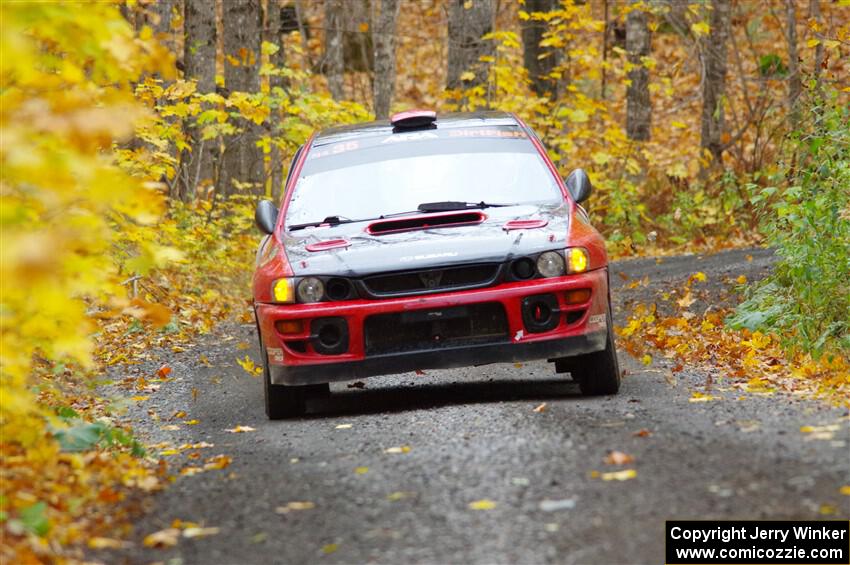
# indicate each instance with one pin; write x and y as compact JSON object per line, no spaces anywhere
{"x":580,"y":328}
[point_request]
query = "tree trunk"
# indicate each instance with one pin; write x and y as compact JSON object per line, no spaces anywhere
{"x":274,"y":34}
{"x":334,"y":64}
{"x":383,"y":37}
{"x":469,"y":20}
{"x":539,"y":61}
{"x":638,"y":105}
{"x":243,"y":160}
{"x":714,"y":83}
{"x":814,"y":13}
{"x":164,"y":11}
{"x":794,"y":83}
{"x":199,"y":64}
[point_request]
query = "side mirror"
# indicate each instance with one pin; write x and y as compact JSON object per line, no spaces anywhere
{"x":265,"y":216}
{"x":578,"y":183}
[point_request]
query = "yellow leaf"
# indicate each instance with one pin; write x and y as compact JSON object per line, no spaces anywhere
{"x":814,"y":42}
{"x":845,"y":490}
{"x":700,"y":29}
{"x":623,"y":475}
{"x":162,"y":538}
{"x":361,"y":470}
{"x":646,"y":360}
{"x":329,"y":548}
{"x":741,"y":279}
{"x":240,"y":429}
{"x":196,"y":532}
{"x":702,"y":397}
{"x":343,"y":427}
{"x":467,"y":76}
{"x":402,"y":449}
{"x":107,"y":543}
{"x":294,"y":506}
{"x":831,"y":43}
{"x":483,"y":504}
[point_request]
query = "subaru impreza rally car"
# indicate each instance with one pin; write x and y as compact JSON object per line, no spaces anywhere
{"x":428,"y":242}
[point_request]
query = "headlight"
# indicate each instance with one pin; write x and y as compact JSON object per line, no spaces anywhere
{"x":550,"y":264}
{"x":577,"y":260}
{"x":282,"y":291}
{"x":311,"y":289}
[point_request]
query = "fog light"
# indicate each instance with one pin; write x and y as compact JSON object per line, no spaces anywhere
{"x":577,"y":296}
{"x":577,"y":260}
{"x":550,"y":264}
{"x":282,"y":291}
{"x":311,"y":289}
{"x":289,"y":326}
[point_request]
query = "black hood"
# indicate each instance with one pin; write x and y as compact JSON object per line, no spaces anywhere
{"x":487,"y":241}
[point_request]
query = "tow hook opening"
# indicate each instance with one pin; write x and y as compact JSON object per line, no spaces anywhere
{"x":329,"y":336}
{"x":540,"y":313}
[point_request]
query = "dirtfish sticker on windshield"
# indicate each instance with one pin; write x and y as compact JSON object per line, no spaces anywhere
{"x":409,"y":258}
{"x":416,"y":136}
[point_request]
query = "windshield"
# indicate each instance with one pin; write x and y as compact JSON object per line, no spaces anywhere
{"x":353,"y":182}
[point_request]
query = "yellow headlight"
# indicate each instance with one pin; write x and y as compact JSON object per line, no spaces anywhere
{"x":577,"y":260}
{"x":282,"y":291}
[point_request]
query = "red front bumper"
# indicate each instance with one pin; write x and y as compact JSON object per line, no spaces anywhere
{"x":580,"y":328}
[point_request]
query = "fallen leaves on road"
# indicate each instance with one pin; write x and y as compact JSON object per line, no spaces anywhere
{"x":826,"y":432}
{"x":703,"y":342}
{"x":401,"y":449}
{"x":343,"y":427}
{"x":361,"y":470}
{"x":623,"y":475}
{"x":642,"y":433}
{"x":241,"y":429}
{"x":163,"y":538}
{"x":197,"y":532}
{"x":249,"y":367}
{"x":483,"y":504}
{"x":845,"y":490}
{"x":400,"y":495}
{"x":698,"y":396}
{"x":618,"y":458}
{"x":107,"y":543}
{"x":294,"y":506}
{"x":541,"y":408}
{"x":329,"y":548}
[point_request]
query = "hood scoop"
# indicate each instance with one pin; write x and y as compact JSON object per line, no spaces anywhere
{"x":327,"y":244}
{"x":425,"y":222}
{"x":525,"y":224}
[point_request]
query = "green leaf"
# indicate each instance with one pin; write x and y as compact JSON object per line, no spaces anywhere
{"x":34,"y":519}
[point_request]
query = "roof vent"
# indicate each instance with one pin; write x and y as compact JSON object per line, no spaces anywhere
{"x":414,"y":119}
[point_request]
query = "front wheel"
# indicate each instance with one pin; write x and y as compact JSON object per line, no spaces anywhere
{"x":287,"y":401}
{"x":597,"y":373}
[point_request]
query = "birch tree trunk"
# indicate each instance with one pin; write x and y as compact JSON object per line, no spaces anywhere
{"x":713,"y":54}
{"x":243,"y":160}
{"x":383,"y":38}
{"x":638,"y":105}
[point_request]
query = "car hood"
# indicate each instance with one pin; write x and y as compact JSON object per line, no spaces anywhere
{"x":361,"y":253}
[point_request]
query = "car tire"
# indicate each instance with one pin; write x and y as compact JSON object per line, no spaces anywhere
{"x":597,"y":373}
{"x":284,"y":401}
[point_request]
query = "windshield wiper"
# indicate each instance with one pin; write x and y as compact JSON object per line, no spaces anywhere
{"x":330,"y":220}
{"x":449,"y":205}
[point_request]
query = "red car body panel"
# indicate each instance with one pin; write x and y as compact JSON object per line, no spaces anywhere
{"x":273,"y":264}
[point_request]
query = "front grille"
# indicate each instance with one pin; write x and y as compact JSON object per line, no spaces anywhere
{"x":431,"y":280}
{"x":423,"y":330}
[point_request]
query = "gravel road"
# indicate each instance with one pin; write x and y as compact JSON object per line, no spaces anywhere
{"x":474,"y":435}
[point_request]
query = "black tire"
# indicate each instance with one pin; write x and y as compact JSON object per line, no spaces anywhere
{"x":287,"y":401}
{"x":597,"y":373}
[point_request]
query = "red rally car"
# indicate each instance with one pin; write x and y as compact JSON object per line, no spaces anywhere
{"x":428,"y":242}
